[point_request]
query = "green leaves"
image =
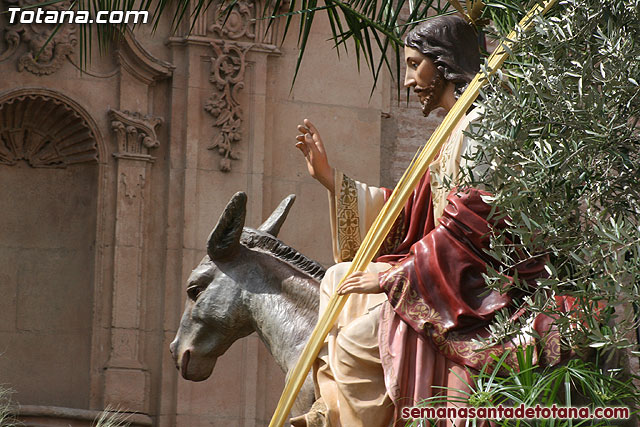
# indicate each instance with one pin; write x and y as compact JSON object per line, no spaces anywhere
{"x":562,"y":146}
{"x":373,"y":29}
{"x":577,"y":383}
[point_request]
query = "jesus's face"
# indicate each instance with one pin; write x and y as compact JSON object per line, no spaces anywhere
{"x":427,"y":81}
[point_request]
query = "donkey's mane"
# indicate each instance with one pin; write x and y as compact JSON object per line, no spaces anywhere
{"x":252,"y":238}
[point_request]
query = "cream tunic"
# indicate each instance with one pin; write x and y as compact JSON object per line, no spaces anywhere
{"x":348,"y":371}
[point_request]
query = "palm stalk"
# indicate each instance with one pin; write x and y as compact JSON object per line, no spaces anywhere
{"x":389,"y":212}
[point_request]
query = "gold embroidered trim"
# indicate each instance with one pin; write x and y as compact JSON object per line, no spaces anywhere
{"x":461,"y":348}
{"x":395,"y":236}
{"x":348,"y":220}
{"x":406,"y":300}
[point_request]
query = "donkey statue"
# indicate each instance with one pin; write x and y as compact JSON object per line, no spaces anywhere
{"x":249,"y":281}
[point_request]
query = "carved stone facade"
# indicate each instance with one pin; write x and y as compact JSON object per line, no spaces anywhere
{"x":227,"y":74}
{"x":135,"y":136}
{"x":41,"y":58}
{"x":232,"y":37}
{"x":113,"y":179}
{"x":51,"y":163}
{"x":239,"y":25}
{"x":44,"y":132}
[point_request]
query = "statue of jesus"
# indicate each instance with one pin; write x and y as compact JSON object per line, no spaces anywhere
{"x":408,"y":327}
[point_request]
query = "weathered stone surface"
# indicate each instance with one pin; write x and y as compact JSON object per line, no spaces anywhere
{"x":94,"y":257}
{"x":53,"y":416}
{"x":46,"y":258}
{"x":127,"y":388}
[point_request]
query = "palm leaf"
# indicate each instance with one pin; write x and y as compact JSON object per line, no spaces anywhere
{"x":367,"y":24}
{"x":305,"y":29}
{"x":374,"y":28}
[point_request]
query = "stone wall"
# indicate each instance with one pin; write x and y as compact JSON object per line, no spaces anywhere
{"x":109,"y":208}
{"x":46,"y":257}
{"x":111,"y":180}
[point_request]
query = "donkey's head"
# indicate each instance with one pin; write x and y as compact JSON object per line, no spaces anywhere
{"x":215,"y":313}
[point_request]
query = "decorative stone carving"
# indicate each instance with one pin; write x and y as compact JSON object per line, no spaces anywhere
{"x":231,"y":37}
{"x":45,"y":132}
{"x":240,"y":23}
{"x":227,"y":73}
{"x":135,"y":133}
{"x":135,"y":189}
{"x":12,"y":40}
{"x":50,"y":59}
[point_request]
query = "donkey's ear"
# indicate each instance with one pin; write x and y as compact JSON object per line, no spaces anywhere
{"x":274,"y":222}
{"x":225,"y":237}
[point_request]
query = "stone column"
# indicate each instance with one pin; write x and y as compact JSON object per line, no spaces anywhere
{"x":126,"y":377}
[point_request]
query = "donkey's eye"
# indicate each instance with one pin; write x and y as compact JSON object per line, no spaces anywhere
{"x":193,"y":292}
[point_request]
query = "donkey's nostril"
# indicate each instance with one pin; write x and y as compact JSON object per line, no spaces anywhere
{"x":185,"y":363}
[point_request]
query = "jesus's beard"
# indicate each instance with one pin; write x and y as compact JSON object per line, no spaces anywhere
{"x":431,"y":95}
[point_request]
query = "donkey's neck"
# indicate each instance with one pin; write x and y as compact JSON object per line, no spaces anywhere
{"x":284,"y":310}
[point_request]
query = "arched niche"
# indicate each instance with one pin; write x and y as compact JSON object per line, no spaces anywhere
{"x":44,"y":132}
{"x":49,"y":157}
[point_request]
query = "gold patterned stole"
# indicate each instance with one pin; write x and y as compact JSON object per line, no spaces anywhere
{"x":446,"y":168}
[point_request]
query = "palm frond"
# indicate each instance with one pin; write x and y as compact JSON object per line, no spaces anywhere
{"x":373,"y":28}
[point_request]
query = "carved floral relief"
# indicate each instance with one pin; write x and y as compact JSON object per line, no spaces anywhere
{"x":227,"y":74}
{"x":234,"y":35}
{"x":132,"y":190}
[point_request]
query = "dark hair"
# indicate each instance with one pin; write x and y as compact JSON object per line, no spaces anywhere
{"x":452,"y":44}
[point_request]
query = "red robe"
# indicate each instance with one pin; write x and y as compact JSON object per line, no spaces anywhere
{"x":437,"y":288}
